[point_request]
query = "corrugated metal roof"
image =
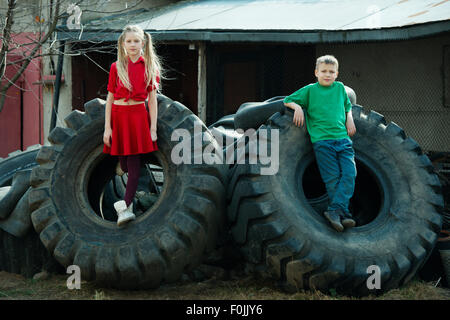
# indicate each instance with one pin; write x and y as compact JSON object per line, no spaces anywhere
{"x":292,"y":21}
{"x":296,"y":14}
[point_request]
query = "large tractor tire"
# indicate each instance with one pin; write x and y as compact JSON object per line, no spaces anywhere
{"x":15,"y":173}
{"x":226,"y":121}
{"x":21,"y":251}
{"x":277,"y":220}
{"x":252,"y":115}
{"x":14,"y":210}
{"x":170,"y":237}
{"x":26,"y":255}
{"x":17,"y":161}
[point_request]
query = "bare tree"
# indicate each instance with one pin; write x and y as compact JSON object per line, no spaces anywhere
{"x":33,"y":53}
{"x":47,"y":31}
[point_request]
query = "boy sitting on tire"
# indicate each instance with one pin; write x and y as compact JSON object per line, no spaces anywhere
{"x":329,"y":122}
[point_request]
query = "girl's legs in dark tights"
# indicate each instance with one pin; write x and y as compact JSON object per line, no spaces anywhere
{"x":123,"y":163}
{"x":132,"y":165}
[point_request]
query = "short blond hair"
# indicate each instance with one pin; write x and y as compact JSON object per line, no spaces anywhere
{"x":327,"y":59}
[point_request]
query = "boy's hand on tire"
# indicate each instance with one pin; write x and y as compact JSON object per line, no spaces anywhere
{"x":299,"y":117}
{"x":351,"y":129}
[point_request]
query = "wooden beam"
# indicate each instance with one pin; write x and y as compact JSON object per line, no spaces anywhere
{"x":201,"y":78}
{"x":446,"y":68}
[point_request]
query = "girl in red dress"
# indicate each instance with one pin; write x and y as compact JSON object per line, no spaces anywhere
{"x":130,"y":131}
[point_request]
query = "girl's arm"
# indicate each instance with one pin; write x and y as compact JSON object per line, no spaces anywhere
{"x":108,"y":132}
{"x":153,"y":106}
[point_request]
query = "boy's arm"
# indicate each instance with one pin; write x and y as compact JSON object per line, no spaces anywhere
{"x":294,"y":101}
{"x":350,"y":124}
{"x":299,"y":117}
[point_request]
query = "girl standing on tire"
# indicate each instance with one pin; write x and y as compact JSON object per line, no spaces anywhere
{"x":130,"y":131}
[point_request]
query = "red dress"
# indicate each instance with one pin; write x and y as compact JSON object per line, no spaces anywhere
{"x":130,"y":124}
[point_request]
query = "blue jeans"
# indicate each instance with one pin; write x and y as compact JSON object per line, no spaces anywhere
{"x":336,"y":162}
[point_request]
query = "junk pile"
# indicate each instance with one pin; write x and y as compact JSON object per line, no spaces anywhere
{"x":222,"y":196}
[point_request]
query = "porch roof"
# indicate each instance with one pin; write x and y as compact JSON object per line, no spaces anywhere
{"x":296,"y":21}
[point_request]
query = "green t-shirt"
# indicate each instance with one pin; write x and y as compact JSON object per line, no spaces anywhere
{"x":325,"y":108}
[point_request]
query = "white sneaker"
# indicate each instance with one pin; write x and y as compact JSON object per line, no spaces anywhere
{"x":125,"y":214}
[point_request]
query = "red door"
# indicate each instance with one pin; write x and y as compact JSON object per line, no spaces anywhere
{"x":11,"y":114}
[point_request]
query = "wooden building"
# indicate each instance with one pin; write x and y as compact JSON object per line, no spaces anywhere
{"x":219,"y":54}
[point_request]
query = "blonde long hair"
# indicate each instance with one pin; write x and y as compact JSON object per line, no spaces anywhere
{"x":152,"y":62}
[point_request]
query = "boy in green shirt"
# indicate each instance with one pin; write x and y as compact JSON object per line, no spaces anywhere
{"x":330,"y":125}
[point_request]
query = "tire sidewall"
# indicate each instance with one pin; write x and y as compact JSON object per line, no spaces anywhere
{"x":25,"y":160}
{"x":386,"y":233}
{"x":71,"y":199}
{"x":169,"y":238}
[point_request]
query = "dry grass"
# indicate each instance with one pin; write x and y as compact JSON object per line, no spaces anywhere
{"x":15,"y":287}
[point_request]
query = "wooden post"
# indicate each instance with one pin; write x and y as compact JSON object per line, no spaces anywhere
{"x":201,"y":80}
{"x":446,"y":76}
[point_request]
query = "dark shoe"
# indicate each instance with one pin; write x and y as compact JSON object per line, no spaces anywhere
{"x":335,"y":219}
{"x":347,"y":220}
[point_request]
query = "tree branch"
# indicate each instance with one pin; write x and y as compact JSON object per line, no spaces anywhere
{"x":31,"y":56}
{"x":6,"y":36}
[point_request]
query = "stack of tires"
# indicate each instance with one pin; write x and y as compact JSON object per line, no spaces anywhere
{"x":189,"y":208}
{"x":20,"y":249}
{"x":169,"y":238}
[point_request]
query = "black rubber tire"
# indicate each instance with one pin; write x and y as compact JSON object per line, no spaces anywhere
{"x":224,"y":132}
{"x":253,"y":115}
{"x":248,"y":104}
{"x":226,"y":122}
{"x":18,"y":221}
{"x":26,"y":255}
{"x":15,"y":173}
{"x":445,"y":182}
{"x":169,"y":239}
{"x":17,"y":161}
{"x":397,"y":204}
{"x":351,"y":94}
{"x":21,"y":251}
{"x":20,"y":184}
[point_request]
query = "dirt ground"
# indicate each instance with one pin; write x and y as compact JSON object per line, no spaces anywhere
{"x":16,"y":287}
